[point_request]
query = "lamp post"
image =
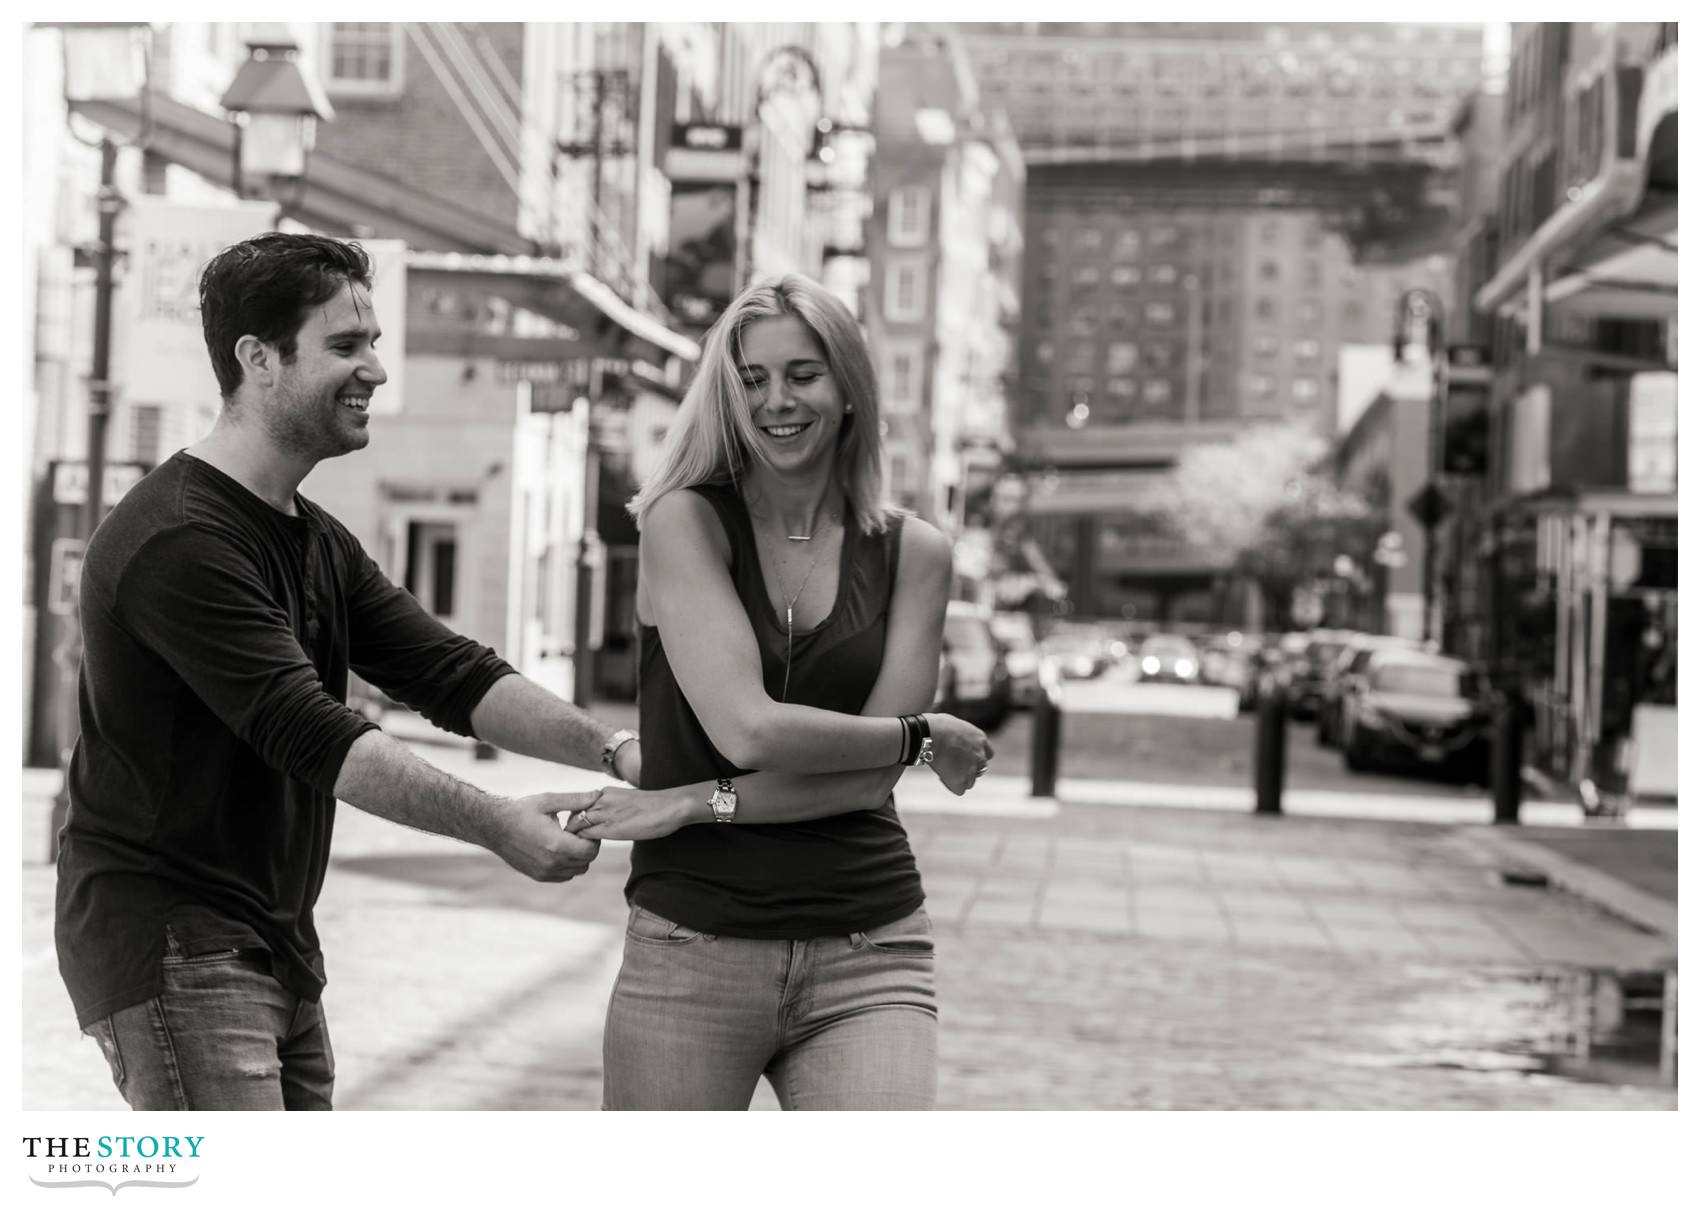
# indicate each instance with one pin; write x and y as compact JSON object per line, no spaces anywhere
{"x":1421,"y":319}
{"x":276,"y":108}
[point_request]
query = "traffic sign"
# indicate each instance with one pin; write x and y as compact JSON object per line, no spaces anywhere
{"x":71,"y":482}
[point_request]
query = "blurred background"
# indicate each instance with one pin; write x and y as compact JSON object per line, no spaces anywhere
{"x":1214,"y":347}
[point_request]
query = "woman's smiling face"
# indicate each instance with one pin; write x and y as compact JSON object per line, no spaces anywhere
{"x":794,"y":399}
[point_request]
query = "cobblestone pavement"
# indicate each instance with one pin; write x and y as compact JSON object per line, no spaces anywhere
{"x":1098,"y":959}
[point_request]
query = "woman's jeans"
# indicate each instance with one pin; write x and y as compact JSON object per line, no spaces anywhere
{"x":222,"y":1035}
{"x":843,"y":1022}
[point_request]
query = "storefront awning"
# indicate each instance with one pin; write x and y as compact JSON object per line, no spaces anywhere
{"x":1629,"y":272}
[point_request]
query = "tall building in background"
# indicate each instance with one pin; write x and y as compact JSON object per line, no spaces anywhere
{"x":1196,"y":224}
{"x":945,"y":249}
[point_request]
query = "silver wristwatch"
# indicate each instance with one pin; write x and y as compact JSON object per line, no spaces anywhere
{"x":611,"y":747}
{"x":724,"y":802}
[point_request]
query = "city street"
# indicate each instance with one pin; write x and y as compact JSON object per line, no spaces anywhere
{"x":1091,"y":956}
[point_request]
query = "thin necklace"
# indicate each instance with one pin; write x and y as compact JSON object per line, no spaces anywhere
{"x":797,"y":538}
{"x":790,"y":610}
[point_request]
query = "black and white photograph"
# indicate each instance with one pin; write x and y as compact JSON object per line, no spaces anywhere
{"x":854,"y":566}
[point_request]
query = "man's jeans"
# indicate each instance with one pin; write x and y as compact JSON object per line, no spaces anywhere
{"x":222,"y":1035}
{"x":843,"y":1022}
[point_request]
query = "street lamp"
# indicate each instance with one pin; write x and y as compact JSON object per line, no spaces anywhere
{"x":276,"y":108}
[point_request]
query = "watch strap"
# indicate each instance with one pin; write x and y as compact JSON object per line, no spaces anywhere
{"x":611,"y":748}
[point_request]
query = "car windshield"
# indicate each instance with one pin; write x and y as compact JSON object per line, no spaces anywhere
{"x":1166,"y":645}
{"x":1429,"y":681}
{"x":967,"y":635}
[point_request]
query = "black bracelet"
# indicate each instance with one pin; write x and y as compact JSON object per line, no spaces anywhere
{"x":911,"y":740}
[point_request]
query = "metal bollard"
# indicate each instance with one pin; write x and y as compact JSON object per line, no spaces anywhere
{"x":1047,"y":739}
{"x":1269,"y":763}
{"x":1507,"y":759}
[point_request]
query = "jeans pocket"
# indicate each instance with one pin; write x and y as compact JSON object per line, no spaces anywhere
{"x":176,"y":957}
{"x":102,"y":1033}
{"x":911,"y":935}
{"x":647,"y":927}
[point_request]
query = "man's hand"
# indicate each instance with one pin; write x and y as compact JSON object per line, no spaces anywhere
{"x":531,"y":841}
{"x":630,"y":815}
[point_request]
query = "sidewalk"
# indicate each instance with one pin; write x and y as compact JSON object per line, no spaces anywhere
{"x":1091,"y":957}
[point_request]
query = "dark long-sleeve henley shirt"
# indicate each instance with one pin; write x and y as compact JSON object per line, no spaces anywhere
{"x":218,"y":634}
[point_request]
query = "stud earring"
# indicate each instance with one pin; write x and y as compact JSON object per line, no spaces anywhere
{"x":849,"y":408}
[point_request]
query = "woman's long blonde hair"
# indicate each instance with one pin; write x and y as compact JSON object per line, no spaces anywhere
{"x":713,"y":438}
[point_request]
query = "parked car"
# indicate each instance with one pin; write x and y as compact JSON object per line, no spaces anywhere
{"x":1078,"y":653}
{"x":1304,"y":681}
{"x":1416,"y":709}
{"x":1349,"y":664}
{"x":1168,"y":658}
{"x":1014,"y":632}
{"x":973,"y":682}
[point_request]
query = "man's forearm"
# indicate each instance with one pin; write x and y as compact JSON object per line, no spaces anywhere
{"x":520,"y":716}
{"x":382,"y":776}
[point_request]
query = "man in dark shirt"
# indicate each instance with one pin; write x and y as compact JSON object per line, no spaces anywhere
{"x":221,"y":615}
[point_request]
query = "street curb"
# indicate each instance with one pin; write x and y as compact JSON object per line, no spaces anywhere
{"x":1625,"y":900}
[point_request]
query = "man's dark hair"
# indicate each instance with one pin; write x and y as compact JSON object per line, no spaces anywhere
{"x":264,"y":286}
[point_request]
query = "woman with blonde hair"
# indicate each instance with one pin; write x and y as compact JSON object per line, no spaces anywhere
{"x":790,"y":625}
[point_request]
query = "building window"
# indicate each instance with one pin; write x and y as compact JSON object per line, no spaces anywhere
{"x":1271,"y":230}
{"x":1127,"y":244}
{"x":1160,"y":356}
{"x":1310,"y":312}
{"x":907,"y":221}
{"x":146,"y":421}
{"x":1164,"y":236}
{"x":1158,"y":391}
{"x":1086,"y":275}
{"x":1159,"y":313}
{"x":1269,"y":271}
{"x":1262,"y":387}
{"x":1050,"y":237}
{"x":905,"y":291}
{"x":1083,"y":324}
{"x":1164,"y":275}
{"x":1307,"y":350}
{"x":1044,"y":351}
{"x":364,"y":58}
{"x":1121,"y":388}
{"x":1089,"y":239}
{"x":1081,"y":383}
{"x":1266,"y":309}
{"x":903,"y":377}
{"x":1305,"y":390}
{"x":1125,"y":275}
{"x":1083,"y":357}
{"x":1123,"y":357}
{"x":1265,"y":346}
{"x":1312,"y":277}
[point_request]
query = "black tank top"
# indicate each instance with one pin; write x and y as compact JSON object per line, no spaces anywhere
{"x":852,"y":871}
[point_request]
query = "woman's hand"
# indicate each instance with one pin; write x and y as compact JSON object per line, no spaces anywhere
{"x":626,"y":814}
{"x":960,"y":751}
